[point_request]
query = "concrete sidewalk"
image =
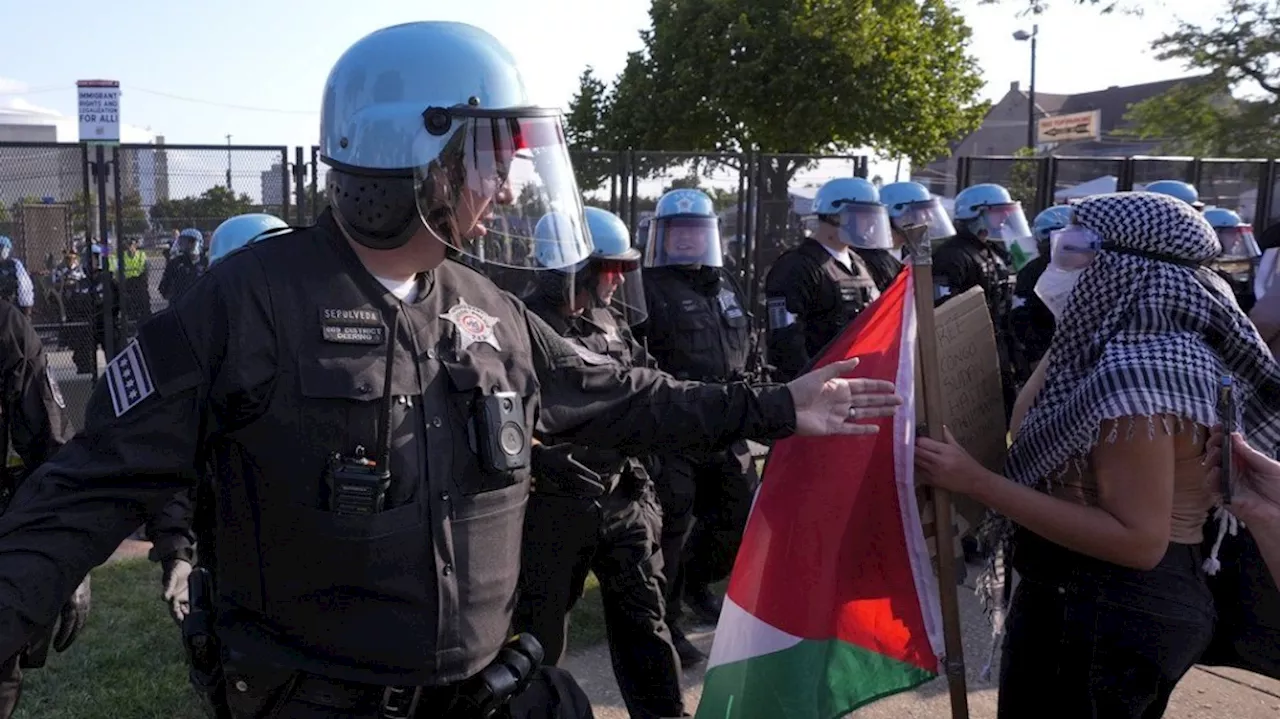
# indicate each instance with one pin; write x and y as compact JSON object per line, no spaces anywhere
{"x":1204,"y":694}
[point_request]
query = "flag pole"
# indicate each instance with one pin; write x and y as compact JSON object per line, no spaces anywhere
{"x":927,"y":334}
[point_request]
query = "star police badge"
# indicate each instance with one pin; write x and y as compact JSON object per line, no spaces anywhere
{"x":684,"y":203}
{"x":473,"y":325}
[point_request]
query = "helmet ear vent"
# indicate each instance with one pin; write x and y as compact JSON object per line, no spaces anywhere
{"x":437,"y":120}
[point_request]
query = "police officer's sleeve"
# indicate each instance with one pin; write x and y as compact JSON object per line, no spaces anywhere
{"x":38,"y":426}
{"x":26,"y":288}
{"x":144,"y":430}
{"x":790,"y":290}
{"x":954,"y":272}
{"x":170,"y":529}
{"x":589,"y":399}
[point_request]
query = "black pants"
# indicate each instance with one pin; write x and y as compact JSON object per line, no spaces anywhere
{"x":552,"y":694}
{"x":10,"y":685}
{"x":617,"y":538}
{"x":723,"y":485}
{"x":1096,"y":641}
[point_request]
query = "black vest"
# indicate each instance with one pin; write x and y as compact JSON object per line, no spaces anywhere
{"x":698,"y":327}
{"x":420,"y":592}
{"x":842,"y":294}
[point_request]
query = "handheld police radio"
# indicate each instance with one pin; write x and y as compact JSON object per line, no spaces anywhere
{"x":358,"y":485}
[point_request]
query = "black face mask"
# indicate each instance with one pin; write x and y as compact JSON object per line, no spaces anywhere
{"x":1157,"y":256}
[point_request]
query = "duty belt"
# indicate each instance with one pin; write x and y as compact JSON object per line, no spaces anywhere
{"x":391,"y":702}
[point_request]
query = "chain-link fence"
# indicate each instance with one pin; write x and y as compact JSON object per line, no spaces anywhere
{"x":71,"y":212}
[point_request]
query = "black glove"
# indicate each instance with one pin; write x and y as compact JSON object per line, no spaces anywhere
{"x":72,"y":617}
{"x":559,"y":472}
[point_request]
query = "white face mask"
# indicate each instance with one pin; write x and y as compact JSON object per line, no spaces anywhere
{"x":1054,"y":288}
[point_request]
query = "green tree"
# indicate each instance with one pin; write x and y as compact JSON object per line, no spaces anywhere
{"x":795,"y":77}
{"x":133,"y":215}
{"x":1240,"y":52}
{"x":204,"y":212}
{"x":585,"y":135}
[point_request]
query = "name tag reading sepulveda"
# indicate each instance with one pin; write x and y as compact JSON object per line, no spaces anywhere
{"x":353,"y":327}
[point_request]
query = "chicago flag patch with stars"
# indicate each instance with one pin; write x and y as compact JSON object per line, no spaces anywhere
{"x":128,"y":380}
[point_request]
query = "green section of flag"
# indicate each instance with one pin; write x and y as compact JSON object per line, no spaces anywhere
{"x":812,"y":680}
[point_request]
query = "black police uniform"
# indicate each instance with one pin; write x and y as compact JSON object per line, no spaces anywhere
{"x":882,"y":264}
{"x":1032,"y":322}
{"x":334,"y":592}
{"x":180,"y":273}
{"x":811,"y":297}
{"x":595,"y":510}
{"x":9,"y":281}
{"x":966,"y":261}
{"x":33,"y":423}
{"x":698,"y":329}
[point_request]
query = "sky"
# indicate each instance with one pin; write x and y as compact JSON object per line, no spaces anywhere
{"x":196,"y":72}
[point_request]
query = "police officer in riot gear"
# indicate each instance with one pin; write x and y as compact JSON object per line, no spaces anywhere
{"x":911,"y":203}
{"x":172,"y":531}
{"x":1184,"y":191}
{"x":1032,"y":321}
{"x":183,"y":266}
{"x":33,"y":427}
{"x":1240,"y":254}
{"x":816,"y":289}
{"x":362,"y":411}
{"x":698,"y":329}
{"x":990,"y":229}
{"x":595,"y":509}
{"x":16,"y":287}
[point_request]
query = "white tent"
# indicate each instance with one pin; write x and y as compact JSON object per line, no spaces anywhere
{"x":1096,"y":186}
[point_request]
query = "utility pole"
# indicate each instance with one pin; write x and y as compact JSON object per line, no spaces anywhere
{"x":1023,"y":36}
{"x":228,"y":162}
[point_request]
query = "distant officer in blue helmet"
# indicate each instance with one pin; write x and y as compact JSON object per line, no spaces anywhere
{"x":1184,"y":191}
{"x":698,"y":329}
{"x":1238,"y":262}
{"x":15,"y":283}
{"x":360,"y":412}
{"x":239,"y":231}
{"x":594,"y":509}
{"x":815,"y":289}
{"x":183,"y":267}
{"x":911,"y":203}
{"x":992,"y":242}
{"x":1033,"y":323}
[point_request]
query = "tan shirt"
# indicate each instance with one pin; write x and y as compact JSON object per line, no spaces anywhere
{"x":1192,"y":498}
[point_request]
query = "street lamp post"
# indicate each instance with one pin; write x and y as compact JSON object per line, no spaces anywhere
{"x":1023,"y":36}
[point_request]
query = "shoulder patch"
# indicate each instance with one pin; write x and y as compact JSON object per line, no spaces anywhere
{"x":128,"y":379}
{"x":53,"y":386}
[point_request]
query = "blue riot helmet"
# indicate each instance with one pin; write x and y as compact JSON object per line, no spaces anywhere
{"x":239,"y":231}
{"x":428,"y":125}
{"x":1053,"y":218}
{"x":910,"y":203}
{"x":6,"y":248}
{"x":1184,"y":191}
{"x":988,"y":212}
{"x":190,"y":241}
{"x":684,"y":231}
{"x":614,"y":267}
{"x":852,"y":205}
{"x":1240,"y":251}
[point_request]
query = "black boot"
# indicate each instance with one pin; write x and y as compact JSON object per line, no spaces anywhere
{"x":704,"y":604}
{"x":690,"y":656}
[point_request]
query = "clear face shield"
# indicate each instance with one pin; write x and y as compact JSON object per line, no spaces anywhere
{"x":675,"y":241}
{"x":496,"y":176}
{"x":930,"y":214}
{"x":616,"y":284}
{"x":1007,"y":224}
{"x":1240,"y":253}
{"x":865,"y":226}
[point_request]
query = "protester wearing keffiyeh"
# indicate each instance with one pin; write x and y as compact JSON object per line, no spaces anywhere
{"x":1147,"y":331}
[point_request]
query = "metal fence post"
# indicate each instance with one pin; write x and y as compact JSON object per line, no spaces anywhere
{"x":100,"y":170}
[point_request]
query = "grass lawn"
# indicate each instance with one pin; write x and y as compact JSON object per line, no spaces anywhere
{"x":128,"y":662}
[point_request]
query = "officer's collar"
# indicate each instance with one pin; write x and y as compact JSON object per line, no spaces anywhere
{"x":369,"y":284}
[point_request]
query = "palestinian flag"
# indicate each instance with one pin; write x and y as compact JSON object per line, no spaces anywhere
{"x":833,"y":602}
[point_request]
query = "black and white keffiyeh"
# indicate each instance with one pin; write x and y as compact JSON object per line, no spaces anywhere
{"x":1138,"y":337}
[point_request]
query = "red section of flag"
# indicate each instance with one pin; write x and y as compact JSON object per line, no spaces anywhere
{"x":825,"y":551}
